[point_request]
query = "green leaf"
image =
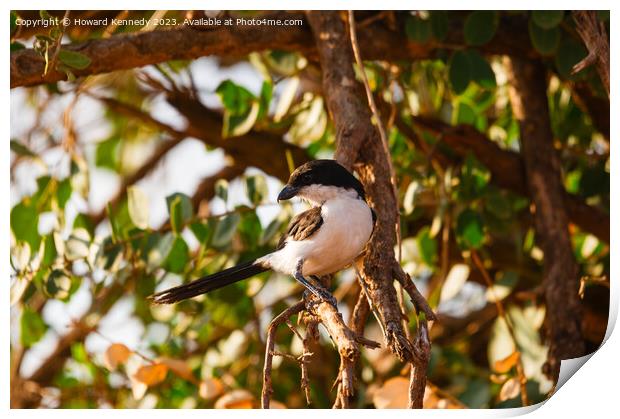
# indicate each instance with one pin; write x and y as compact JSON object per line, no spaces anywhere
{"x":459,"y":72}
{"x":474,"y":179}
{"x":545,"y":41}
{"x":439,"y":24}
{"x":44,"y":14}
{"x":180,"y":211}
{"x":237,"y":125}
{"x":469,"y":229}
{"x":481,"y":71}
{"x":225,"y":230}
{"x":250,"y":229}
{"x":547,"y":19}
{"x":25,"y":223}
{"x":107,"y":153}
{"x":221,"y":189}
{"x":49,"y":251}
{"x":14,"y":18}
{"x":236,"y":99}
{"x":256,"y":188}
{"x":569,"y":53}
{"x":177,"y":258}
{"x":21,"y":149}
{"x":138,"y":203}
{"x":266,"y":93}
{"x":63,"y":192}
{"x":270,"y":231}
{"x":73,"y":59}
{"x":417,"y":29}
{"x":480,"y":27}
{"x":200,"y":230}
{"x":32,"y":327}
{"x":427,"y":246}
{"x":16,"y":46}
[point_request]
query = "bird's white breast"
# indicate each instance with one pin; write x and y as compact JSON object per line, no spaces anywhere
{"x":347,"y":226}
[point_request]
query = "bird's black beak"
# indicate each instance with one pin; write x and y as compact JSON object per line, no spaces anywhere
{"x":287,"y":193}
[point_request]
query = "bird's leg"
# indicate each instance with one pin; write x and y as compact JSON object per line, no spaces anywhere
{"x":320,"y":293}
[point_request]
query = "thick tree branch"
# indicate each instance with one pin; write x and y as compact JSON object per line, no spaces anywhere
{"x":128,"y":51}
{"x":543,"y":173}
{"x":359,"y":147}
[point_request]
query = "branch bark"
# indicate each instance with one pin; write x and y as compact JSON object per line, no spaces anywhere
{"x":128,"y":51}
{"x":359,"y":147}
{"x":594,"y":35}
{"x":543,"y":173}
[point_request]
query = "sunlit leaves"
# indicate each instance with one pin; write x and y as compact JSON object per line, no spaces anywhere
{"x":480,"y":27}
{"x":61,"y":284}
{"x":138,"y":207}
{"x":241,"y":108}
{"x":474,"y":179}
{"x":151,"y":374}
{"x":427,"y":246}
{"x":32,"y":327}
{"x":235,"y":399}
{"x":180,"y":211}
{"x":455,"y":280}
{"x":115,"y":355}
{"x":178,"y":256}
{"x":256,"y":188}
{"x":107,"y":153}
{"x":24,"y":224}
{"x":210,"y":388}
{"x":504,"y":365}
{"x":502,"y":287}
{"x":469,"y":229}
{"x":393,"y":394}
{"x":21,"y":149}
{"x":221,"y":189}
{"x":225,"y":229}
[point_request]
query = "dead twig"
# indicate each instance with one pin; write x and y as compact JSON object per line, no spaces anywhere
{"x":269,"y":350}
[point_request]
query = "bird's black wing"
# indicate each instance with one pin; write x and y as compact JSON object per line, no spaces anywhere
{"x":303,"y":226}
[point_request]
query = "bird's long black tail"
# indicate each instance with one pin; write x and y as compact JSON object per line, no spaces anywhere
{"x":209,"y":283}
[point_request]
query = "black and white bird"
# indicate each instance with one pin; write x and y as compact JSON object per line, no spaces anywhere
{"x":320,"y":241}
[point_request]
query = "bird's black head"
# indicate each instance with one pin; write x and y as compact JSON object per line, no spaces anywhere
{"x":319,"y":180}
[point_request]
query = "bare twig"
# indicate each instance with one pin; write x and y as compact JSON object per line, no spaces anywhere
{"x":269,"y":350}
{"x":377,"y":122}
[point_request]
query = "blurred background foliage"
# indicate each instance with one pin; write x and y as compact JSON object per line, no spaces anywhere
{"x":83,"y":333}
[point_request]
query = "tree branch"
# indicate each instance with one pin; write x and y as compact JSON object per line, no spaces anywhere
{"x":543,"y":173}
{"x":128,"y":51}
{"x":359,"y":146}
